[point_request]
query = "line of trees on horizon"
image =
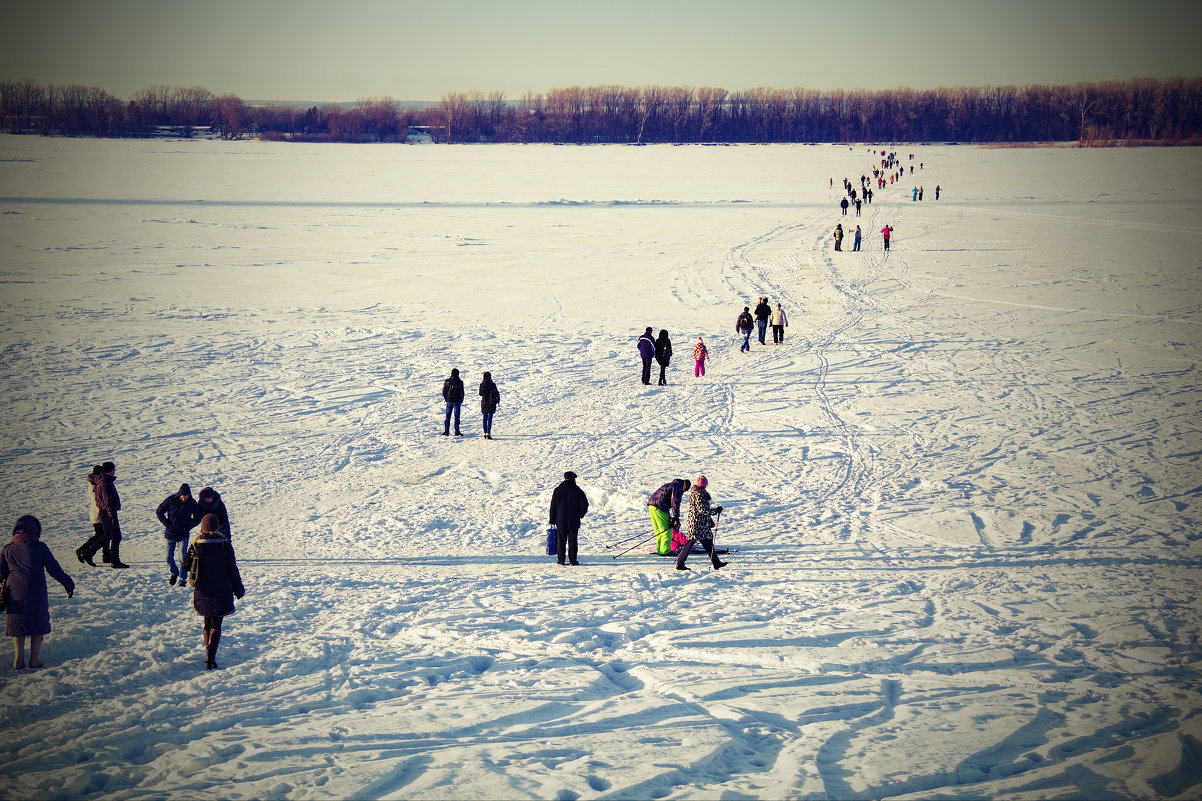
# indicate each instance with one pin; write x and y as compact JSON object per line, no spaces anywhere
{"x":1145,"y":110}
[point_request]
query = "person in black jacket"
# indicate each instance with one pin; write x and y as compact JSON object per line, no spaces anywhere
{"x":218,"y":583}
{"x":663,"y":355}
{"x":209,"y":501}
{"x":568,"y":505}
{"x":646,"y":346}
{"x":179,"y":514}
{"x":745,"y":325}
{"x":452,"y":393}
{"x":490,"y":399}
{"x":762,"y":312}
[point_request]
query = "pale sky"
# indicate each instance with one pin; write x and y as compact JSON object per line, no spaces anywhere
{"x":340,"y":50}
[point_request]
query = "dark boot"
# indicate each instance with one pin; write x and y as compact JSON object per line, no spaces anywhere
{"x":211,"y":644}
{"x":115,"y":554}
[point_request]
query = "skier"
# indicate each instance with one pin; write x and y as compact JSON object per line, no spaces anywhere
{"x":664,"y":508}
{"x":179,"y":514}
{"x":646,"y":346}
{"x":700,"y":354}
{"x":490,"y":399}
{"x":663,"y":355}
{"x":779,"y":321}
{"x":745,"y":325}
{"x":855,"y":245}
{"x":762,"y":312}
{"x":218,"y":583}
{"x":108,"y":501}
{"x":208,"y":501}
{"x":887,"y":232}
{"x":452,"y":395}
{"x":699,"y":525}
{"x":839,"y":237}
{"x":568,"y":505}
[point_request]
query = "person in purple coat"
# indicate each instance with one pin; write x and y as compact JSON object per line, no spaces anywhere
{"x":218,"y":582}
{"x":24,"y":563}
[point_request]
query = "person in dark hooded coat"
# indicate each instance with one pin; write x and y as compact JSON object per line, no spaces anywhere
{"x":490,"y":399}
{"x":568,"y":505}
{"x":218,"y":583}
{"x":179,"y":514}
{"x":452,"y":394}
{"x":24,"y":563}
{"x":208,"y":501}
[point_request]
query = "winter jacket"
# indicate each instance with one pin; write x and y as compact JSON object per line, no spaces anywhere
{"x":663,"y":351}
{"x":699,"y":521}
{"x":700,"y":352}
{"x":93,"y":509}
{"x":745,"y":323}
{"x":667,"y":498}
{"x":105,"y":491}
{"x":24,"y":562}
{"x":452,"y":390}
{"x":763,"y":311}
{"x":218,"y":581}
{"x":490,"y":397}
{"x":178,"y":517}
{"x":778,"y":317}
{"x":568,"y":505}
{"x":646,"y":346}
{"x":215,"y":507}
{"x":838,"y":234}
{"x":886,"y":231}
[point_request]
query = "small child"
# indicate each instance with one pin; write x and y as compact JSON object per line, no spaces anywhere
{"x":700,"y":354}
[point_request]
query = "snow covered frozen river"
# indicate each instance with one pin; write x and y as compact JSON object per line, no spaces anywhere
{"x":962,"y":495}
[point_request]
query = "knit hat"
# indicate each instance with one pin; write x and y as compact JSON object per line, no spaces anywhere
{"x":29,"y":525}
{"x":569,"y":476}
{"x":209,"y":524}
{"x":702,"y":481}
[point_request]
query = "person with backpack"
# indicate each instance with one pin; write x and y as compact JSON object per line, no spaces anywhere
{"x":663,"y":355}
{"x":745,"y":325}
{"x":779,"y":321}
{"x":646,"y":346}
{"x":699,"y":525}
{"x":490,"y":399}
{"x":839,"y":237}
{"x":762,"y":312}
{"x":664,"y":508}
{"x":452,"y":395}
{"x":700,"y":354}
{"x":568,"y":505}
{"x":212,"y":571}
{"x":179,"y":514}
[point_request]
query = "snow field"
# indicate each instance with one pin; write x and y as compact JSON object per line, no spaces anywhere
{"x":962,"y":492}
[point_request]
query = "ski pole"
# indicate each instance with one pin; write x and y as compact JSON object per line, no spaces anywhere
{"x":619,"y":542}
{"x":632,"y":547}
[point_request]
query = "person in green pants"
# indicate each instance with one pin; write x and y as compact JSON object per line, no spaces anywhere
{"x":664,"y":508}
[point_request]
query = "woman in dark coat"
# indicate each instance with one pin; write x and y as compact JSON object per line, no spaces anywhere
{"x":663,"y":355}
{"x":490,"y":399}
{"x":218,"y":582}
{"x":24,"y":563}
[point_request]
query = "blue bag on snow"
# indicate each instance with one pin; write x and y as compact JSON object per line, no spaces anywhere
{"x":552,"y":541}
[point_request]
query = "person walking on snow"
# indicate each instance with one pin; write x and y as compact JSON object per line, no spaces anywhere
{"x":779,"y":321}
{"x":938,"y":189}
{"x":108,"y":501}
{"x":855,"y":244}
{"x":208,"y":501}
{"x":700,"y":354}
{"x":663,"y":355}
{"x":914,"y":196}
{"x":24,"y":563}
{"x":646,"y":346}
{"x":886,"y":232}
{"x":452,"y":395}
{"x":699,"y":525}
{"x":568,"y":505}
{"x":99,"y":538}
{"x":179,"y":514}
{"x":218,"y":583}
{"x":839,"y":237}
{"x":490,"y":399}
{"x":664,"y":508}
{"x":745,"y":325}
{"x":762,"y":312}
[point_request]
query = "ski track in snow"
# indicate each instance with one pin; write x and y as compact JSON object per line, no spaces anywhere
{"x":962,"y":494}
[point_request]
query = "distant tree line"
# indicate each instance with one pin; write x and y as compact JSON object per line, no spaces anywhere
{"x":1167,"y":111}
